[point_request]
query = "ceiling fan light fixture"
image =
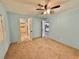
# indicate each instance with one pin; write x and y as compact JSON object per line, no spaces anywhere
{"x":47,"y":9}
{"x":45,"y":12}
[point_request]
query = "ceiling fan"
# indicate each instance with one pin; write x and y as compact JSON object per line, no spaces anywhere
{"x":47,"y":7}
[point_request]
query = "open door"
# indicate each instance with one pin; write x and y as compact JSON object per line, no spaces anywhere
{"x":25,"y":29}
{"x":1,"y":28}
{"x":29,"y":28}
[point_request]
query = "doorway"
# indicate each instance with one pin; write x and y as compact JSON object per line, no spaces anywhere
{"x":25,"y":29}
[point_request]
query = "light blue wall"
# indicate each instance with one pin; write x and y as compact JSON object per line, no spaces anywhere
{"x":5,"y":43}
{"x":64,"y":27}
{"x":36,"y":27}
{"x":14,"y":26}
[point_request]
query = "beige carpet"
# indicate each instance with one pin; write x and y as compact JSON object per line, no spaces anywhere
{"x":41,"y":48}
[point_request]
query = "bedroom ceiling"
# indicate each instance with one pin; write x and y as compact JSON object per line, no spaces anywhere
{"x":34,"y":2}
{"x":29,"y":6}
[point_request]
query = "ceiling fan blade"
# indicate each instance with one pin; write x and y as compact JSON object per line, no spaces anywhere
{"x":55,"y":7}
{"x":39,"y":9}
{"x":40,"y":5}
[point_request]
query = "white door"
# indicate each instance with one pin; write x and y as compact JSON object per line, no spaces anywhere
{"x":29,"y":28}
{"x":1,"y":29}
